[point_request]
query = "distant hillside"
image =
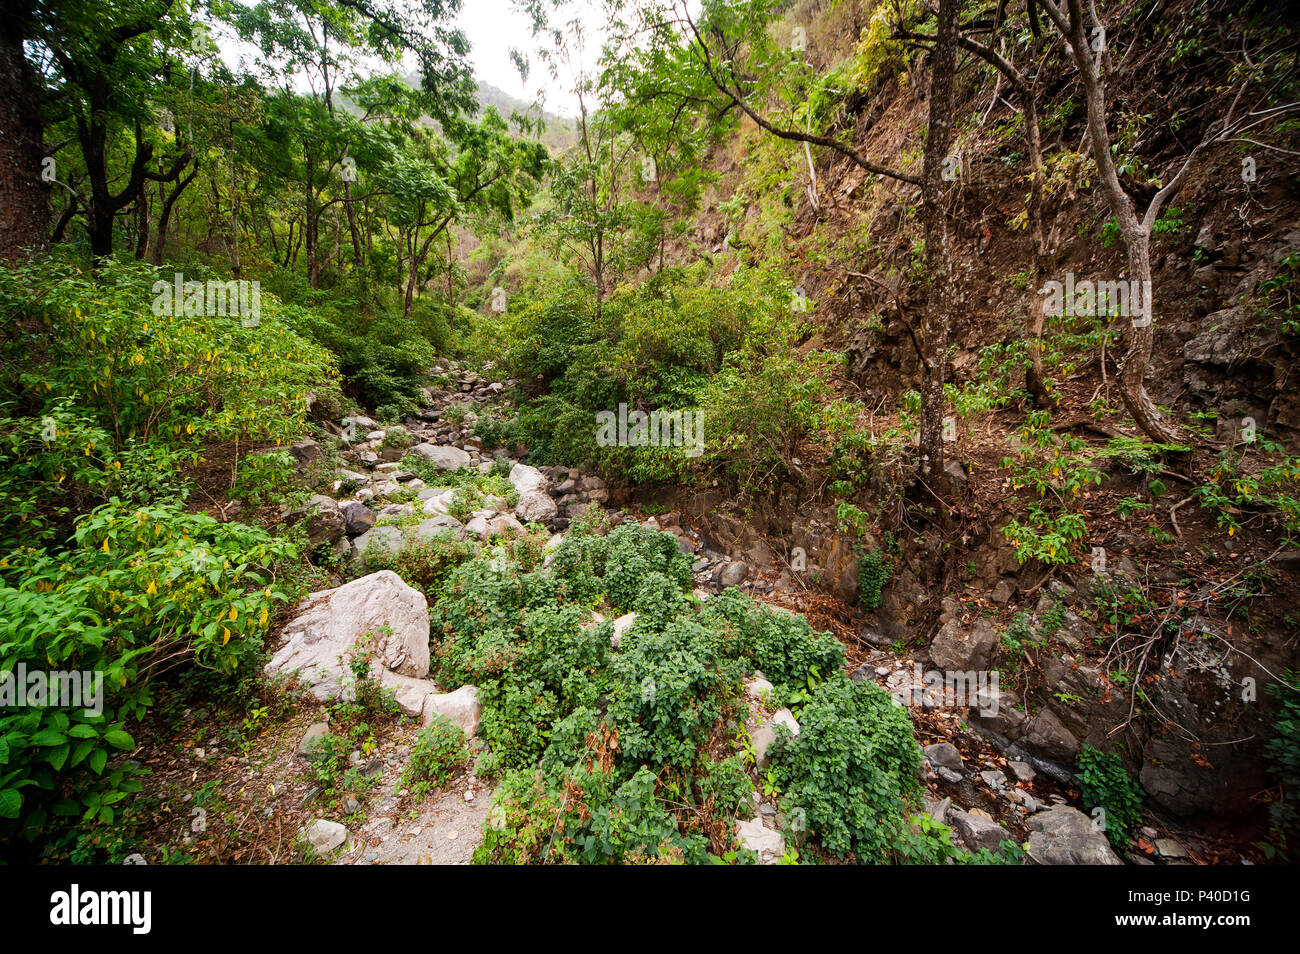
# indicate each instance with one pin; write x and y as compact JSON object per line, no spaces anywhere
{"x":560,"y":131}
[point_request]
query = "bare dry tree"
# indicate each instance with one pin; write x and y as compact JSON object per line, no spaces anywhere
{"x":1136,"y":230}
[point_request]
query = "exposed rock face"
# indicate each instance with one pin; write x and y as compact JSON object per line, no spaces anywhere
{"x":329,"y":623}
{"x":1047,"y":735}
{"x":323,"y":521}
{"x":443,"y":457}
{"x":1066,"y":836}
{"x":956,"y":649}
{"x":461,"y":707}
{"x":535,"y":505}
{"x":526,"y":479}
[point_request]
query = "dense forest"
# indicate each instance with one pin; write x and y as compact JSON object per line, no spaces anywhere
{"x":852,"y":432}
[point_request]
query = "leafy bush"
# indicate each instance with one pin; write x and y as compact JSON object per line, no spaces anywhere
{"x":268,"y":476}
{"x":143,"y":591}
{"x":609,"y":755}
{"x":874,"y":571}
{"x":780,"y":644}
{"x":634,"y":553}
{"x":1104,"y":783}
{"x":757,"y":412}
{"x":425,"y":564}
{"x":853,"y":772}
{"x":115,"y":401}
{"x":1284,"y":757}
{"x":438,"y":750}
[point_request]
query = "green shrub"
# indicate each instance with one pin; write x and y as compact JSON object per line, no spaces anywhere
{"x":144,"y":590}
{"x":874,"y":571}
{"x":424,"y":564}
{"x":853,"y":772}
{"x":634,"y":553}
{"x":1104,"y":783}
{"x":1284,"y":763}
{"x":438,"y":750}
{"x":782,"y":645}
{"x":266,"y":477}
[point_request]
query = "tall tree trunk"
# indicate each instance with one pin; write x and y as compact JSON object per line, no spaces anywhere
{"x":939,"y":305}
{"x":24,"y":194}
{"x":142,"y":225}
{"x":165,"y":214}
{"x":1035,"y":379}
{"x":1139,"y":337}
{"x":235,"y":267}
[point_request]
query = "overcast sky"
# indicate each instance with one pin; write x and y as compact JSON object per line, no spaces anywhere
{"x":494,"y":26}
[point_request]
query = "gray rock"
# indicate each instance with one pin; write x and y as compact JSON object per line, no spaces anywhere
{"x":994,"y":779}
{"x":536,"y":506}
{"x":314,"y":731}
{"x":443,"y":457}
{"x":436,"y":526}
{"x":1002,"y":593}
{"x":329,"y":623}
{"x":944,"y":755}
{"x":1066,"y":836}
{"x":306,"y":452}
{"x":957,"y":650}
{"x":956,"y":475}
{"x":378,"y":542}
{"x":977,"y":831}
{"x":1048,"y":736}
{"x":733,"y":574}
{"x":526,"y":479}
{"x":938,"y":810}
{"x":322,"y":519}
{"x":324,"y":835}
{"x":768,"y":843}
{"x":1168,"y":848}
{"x":1023,"y":771}
{"x":357,"y":517}
{"x":461,"y":707}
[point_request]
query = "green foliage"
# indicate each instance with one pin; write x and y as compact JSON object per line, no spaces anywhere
{"x":874,"y":571}
{"x":142,"y":589}
{"x":1046,"y":538}
{"x":853,"y":770}
{"x":1284,"y":763}
{"x":423,"y":563}
{"x":438,"y":750}
{"x":1268,"y":485}
{"x":636,"y":552}
{"x":784,"y":646}
{"x":758,"y":411}
{"x":623,"y":737}
{"x":102,"y":398}
{"x":1104,"y":783}
{"x":268,"y":477}
{"x":1277,"y":300}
